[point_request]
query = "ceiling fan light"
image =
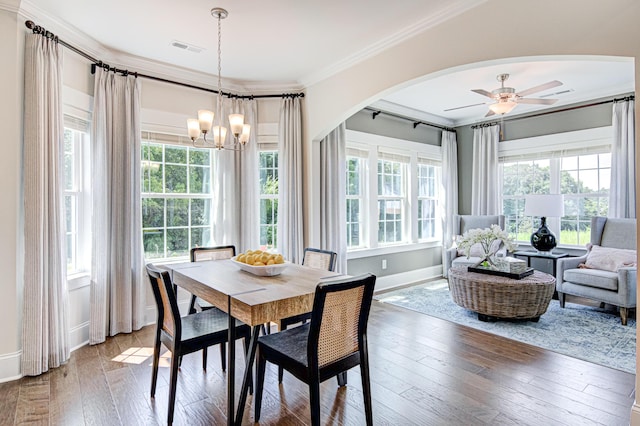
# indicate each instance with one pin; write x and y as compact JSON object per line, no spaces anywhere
{"x":503,"y":107}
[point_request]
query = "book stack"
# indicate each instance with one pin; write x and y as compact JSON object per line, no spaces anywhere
{"x":510,"y":265}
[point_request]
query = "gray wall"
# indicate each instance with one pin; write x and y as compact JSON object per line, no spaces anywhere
{"x":560,"y":122}
{"x":393,"y":127}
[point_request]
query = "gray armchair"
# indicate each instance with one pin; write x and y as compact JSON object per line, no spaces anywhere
{"x":616,"y":288}
{"x":461,"y":224}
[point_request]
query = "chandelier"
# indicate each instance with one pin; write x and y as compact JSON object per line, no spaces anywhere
{"x":203,"y":125}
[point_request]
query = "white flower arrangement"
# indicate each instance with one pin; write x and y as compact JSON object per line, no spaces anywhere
{"x":485,"y":238}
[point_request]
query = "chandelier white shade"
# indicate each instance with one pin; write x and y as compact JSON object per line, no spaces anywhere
{"x":204,"y":124}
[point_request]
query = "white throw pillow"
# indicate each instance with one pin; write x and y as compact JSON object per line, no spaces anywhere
{"x":610,"y":259}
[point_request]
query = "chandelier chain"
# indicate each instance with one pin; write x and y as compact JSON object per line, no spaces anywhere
{"x":219,"y":69}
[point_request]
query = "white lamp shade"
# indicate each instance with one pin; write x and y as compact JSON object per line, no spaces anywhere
{"x":503,"y":107}
{"x":219,"y":135}
{"x":236,"y":121}
{"x":246,"y":132}
{"x":193,"y":127}
{"x":205,"y":119}
{"x":544,"y":205}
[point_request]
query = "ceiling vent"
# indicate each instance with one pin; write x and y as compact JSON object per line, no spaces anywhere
{"x":562,"y":92}
{"x":186,"y":46}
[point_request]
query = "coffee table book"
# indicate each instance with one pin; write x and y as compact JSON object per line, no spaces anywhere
{"x":515,"y":276}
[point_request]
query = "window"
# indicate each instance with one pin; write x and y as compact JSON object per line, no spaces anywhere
{"x":176,"y":199}
{"x":427,"y":201}
{"x":355,"y":202}
{"x":392,"y":192}
{"x":576,"y":164}
{"x":76,"y":184}
{"x":391,"y":198}
{"x":268,"y":199}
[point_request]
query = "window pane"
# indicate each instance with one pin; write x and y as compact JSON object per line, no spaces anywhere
{"x":200,"y":211}
{"x":201,"y":237}
{"x":176,"y":179}
{"x":177,"y":155}
{"x":152,"y":152}
{"x":177,"y":242}
{"x":199,"y":180}
{"x":152,"y":177}
{"x":177,"y":212}
{"x":152,"y":212}
{"x":200,"y":157}
{"x":153,"y":240}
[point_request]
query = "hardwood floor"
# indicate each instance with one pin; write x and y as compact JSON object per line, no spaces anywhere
{"x":424,"y":371}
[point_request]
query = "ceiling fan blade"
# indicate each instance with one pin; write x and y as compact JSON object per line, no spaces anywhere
{"x":490,"y":113}
{"x":483,"y":93}
{"x":540,"y":88}
{"x":537,"y":101}
{"x":466,"y":106}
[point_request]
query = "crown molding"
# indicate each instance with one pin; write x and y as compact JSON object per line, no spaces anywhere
{"x":453,"y":9}
{"x":119,"y":59}
{"x":10,"y":6}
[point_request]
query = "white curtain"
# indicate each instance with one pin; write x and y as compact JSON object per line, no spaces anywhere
{"x":290,"y":185}
{"x":117,"y":285}
{"x":485,"y":185}
{"x":333,"y":208}
{"x":449,"y":194}
{"x":622,"y":193}
{"x":235,"y":186}
{"x":45,"y":335}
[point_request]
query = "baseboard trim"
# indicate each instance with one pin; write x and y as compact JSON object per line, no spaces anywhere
{"x":79,"y":336}
{"x":406,"y":278}
{"x":10,"y":367}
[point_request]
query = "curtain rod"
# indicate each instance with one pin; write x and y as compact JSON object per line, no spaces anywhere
{"x":37,"y":29}
{"x":416,"y":123}
{"x":538,"y":114}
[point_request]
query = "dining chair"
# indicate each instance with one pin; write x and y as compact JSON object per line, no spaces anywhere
{"x":201,"y":254}
{"x":317,"y":259}
{"x":334,"y":341}
{"x":184,"y":335}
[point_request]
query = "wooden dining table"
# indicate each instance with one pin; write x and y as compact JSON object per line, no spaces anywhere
{"x":252,"y":299}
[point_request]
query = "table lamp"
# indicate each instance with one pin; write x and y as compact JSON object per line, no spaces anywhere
{"x":544,"y":206}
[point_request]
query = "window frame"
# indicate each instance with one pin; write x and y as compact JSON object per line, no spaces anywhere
{"x":374,"y":147}
{"x":268,"y":149}
{"x":167,"y":140}
{"x":554,"y":148}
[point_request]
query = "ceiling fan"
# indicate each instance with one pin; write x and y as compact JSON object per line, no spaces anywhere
{"x":506,"y":99}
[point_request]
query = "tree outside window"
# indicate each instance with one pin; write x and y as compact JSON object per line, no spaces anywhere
{"x":268,"y":199}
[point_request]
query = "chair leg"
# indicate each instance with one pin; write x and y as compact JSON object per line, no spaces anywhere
{"x":173,"y":381}
{"x":366,"y":384}
{"x":624,"y":314}
{"x":561,"y":299}
{"x":154,"y":371}
{"x":342,"y":379}
{"x":280,"y":374}
{"x":223,"y":356}
{"x":260,"y":368}
{"x":314,"y":400}
{"x":204,"y":359}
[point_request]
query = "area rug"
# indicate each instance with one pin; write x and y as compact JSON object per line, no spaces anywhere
{"x":588,"y":333}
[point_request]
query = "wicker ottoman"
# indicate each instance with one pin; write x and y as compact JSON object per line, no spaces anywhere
{"x":493,"y":296}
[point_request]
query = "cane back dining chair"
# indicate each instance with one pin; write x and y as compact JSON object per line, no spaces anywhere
{"x":184,"y":335}
{"x":334,"y":341}
{"x":317,"y":259}
{"x":201,"y":254}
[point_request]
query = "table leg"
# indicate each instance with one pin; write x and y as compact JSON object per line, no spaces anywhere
{"x":247,"y":373}
{"x":231,"y":360}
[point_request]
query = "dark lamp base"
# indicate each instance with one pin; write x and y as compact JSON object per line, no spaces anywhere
{"x":543,"y":239}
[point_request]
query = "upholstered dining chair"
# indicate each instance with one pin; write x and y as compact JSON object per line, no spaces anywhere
{"x":334,"y":341}
{"x":184,"y":335}
{"x":317,"y":259}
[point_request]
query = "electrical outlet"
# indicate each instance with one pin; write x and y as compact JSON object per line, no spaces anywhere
{"x":384,"y":263}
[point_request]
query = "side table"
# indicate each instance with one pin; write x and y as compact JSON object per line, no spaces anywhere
{"x":543,"y":262}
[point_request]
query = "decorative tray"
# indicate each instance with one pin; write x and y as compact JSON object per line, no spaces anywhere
{"x":518,"y":276}
{"x":262,"y":271}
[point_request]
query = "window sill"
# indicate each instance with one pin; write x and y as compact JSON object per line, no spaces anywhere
{"x":78,"y":280}
{"x":399,"y":248}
